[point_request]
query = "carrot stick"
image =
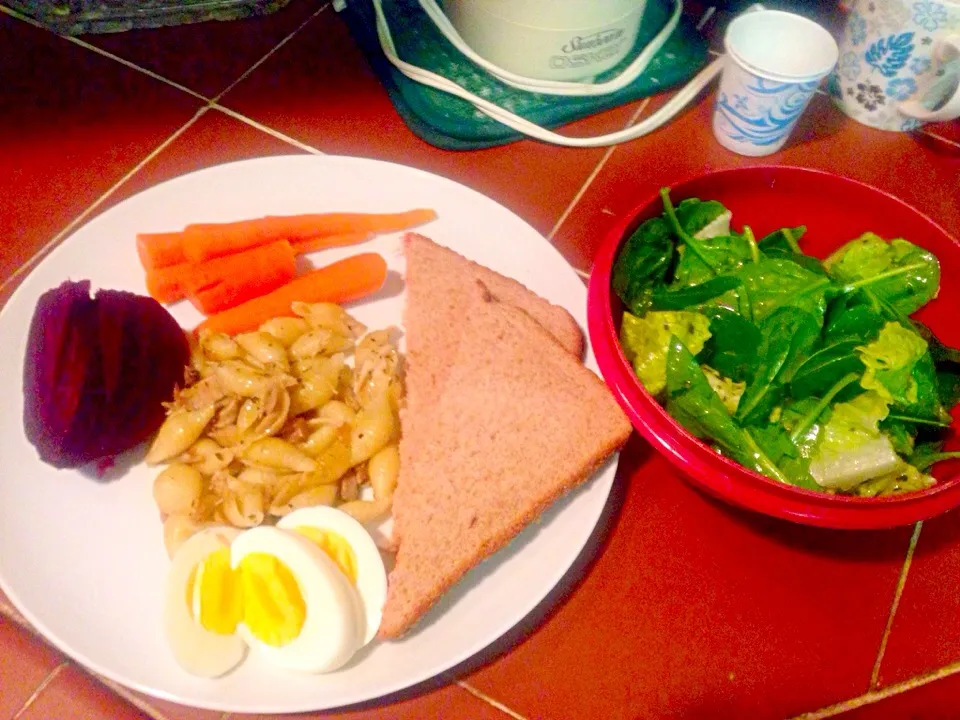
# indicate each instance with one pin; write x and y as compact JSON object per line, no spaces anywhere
{"x":322,"y":242}
{"x":160,"y":250}
{"x":349,"y":279}
{"x":234,"y":289}
{"x":302,"y":227}
{"x":177,"y":281}
{"x":203,"y":241}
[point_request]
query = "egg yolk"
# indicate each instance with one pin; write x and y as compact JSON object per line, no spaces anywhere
{"x":213,"y":594}
{"x":336,"y":547}
{"x":273,"y":608}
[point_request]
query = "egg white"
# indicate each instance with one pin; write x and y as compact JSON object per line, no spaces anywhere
{"x":371,"y":582}
{"x":333,"y":627}
{"x":196,"y":649}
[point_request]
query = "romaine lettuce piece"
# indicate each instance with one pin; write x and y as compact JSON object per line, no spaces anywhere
{"x":645,"y":341}
{"x":899,"y":368}
{"x":852,"y":449}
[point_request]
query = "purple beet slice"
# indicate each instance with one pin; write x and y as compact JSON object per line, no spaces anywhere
{"x":97,"y":371}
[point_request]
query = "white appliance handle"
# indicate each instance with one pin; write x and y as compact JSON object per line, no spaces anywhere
{"x":526,"y":127}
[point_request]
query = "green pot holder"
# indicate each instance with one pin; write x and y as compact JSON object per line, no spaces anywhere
{"x":451,"y":123}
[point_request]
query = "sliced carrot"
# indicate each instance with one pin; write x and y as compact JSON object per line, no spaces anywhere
{"x":328,"y":241}
{"x":349,"y":279}
{"x":160,"y":250}
{"x":168,"y":284}
{"x":203,"y":241}
{"x":177,"y":281}
{"x":232,"y":290}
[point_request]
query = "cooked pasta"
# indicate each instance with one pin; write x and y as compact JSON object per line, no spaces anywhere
{"x":304,"y":411}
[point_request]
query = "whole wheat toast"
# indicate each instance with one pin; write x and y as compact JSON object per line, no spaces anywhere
{"x":516,"y":422}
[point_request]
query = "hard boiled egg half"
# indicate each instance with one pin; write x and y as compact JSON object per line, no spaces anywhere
{"x":305,"y":594}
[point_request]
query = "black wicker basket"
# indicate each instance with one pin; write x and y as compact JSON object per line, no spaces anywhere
{"x":76,"y":17}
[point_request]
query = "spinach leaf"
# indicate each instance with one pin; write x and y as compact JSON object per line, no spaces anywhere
{"x":703,"y":218}
{"x":902,"y":435}
{"x":948,"y":384}
{"x":938,"y":351}
{"x":783,"y":241}
{"x":721,"y":254}
{"x":825,"y":367}
{"x":732,"y":347}
{"x":782,"y":244}
{"x":775,"y":443}
{"x":693,"y":296}
{"x":774,"y":282}
{"x":854,"y":318}
{"x":692,"y":244}
{"x":643,"y":263}
{"x":926,"y":455}
{"x":899,"y":272}
{"x":786,"y":337}
{"x":692,"y":401}
{"x":947,"y":361}
{"x":900,"y":369}
{"x":645,"y":341}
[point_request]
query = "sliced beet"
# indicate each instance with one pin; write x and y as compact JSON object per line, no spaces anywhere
{"x":97,"y":371}
{"x":49,"y":330}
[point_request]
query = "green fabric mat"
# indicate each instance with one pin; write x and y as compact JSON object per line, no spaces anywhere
{"x":451,"y":123}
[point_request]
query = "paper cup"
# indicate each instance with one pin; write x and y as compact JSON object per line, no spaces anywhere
{"x":774,"y":62}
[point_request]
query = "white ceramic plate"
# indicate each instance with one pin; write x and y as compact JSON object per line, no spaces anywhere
{"x":84,"y":561}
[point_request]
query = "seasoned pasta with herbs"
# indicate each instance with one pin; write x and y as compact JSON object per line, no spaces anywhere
{"x":303,"y":411}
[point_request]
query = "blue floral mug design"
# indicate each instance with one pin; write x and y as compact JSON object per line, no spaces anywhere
{"x":899,"y":63}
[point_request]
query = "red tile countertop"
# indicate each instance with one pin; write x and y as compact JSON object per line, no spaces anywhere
{"x":686,"y":608}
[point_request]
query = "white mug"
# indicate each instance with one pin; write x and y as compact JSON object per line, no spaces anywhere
{"x":899,"y":63}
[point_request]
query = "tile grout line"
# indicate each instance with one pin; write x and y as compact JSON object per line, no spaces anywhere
{"x":901,"y":582}
{"x":593,"y":176}
{"x":139,"y":703}
{"x":133,"y":66}
{"x":265,"y":129}
{"x":940,"y":138}
{"x":39,"y":690}
{"x":489,"y":700}
{"x":84,"y":214}
{"x":874,"y":696}
{"x":269,"y":54}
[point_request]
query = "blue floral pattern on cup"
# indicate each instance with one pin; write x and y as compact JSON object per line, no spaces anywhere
{"x":771,"y":110}
{"x":889,"y":54}
{"x":929,"y":15}
{"x":858,"y":28}
{"x":901,"y":88}
{"x":919,"y":65}
{"x":849,"y":65}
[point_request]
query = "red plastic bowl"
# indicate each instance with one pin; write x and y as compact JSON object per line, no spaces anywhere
{"x":835,"y":210}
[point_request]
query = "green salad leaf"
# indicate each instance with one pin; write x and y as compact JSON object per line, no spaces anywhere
{"x":899,"y":272}
{"x":692,"y":401}
{"x":926,"y":454}
{"x":643,"y":263}
{"x":732,"y":347}
{"x":852,"y":449}
{"x":645,"y":341}
{"x":786,"y":337}
{"x":703,"y":218}
{"x":775,"y":282}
